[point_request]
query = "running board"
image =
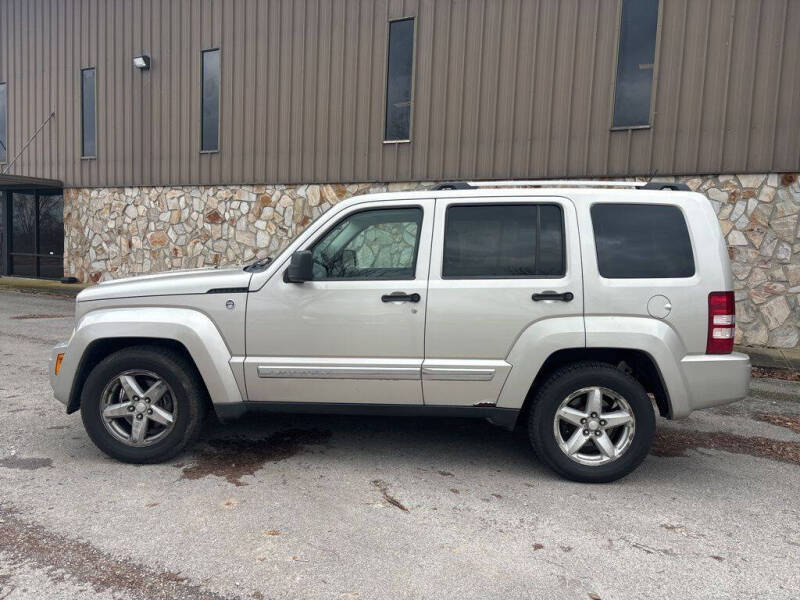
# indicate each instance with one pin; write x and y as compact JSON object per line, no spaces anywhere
{"x":502,"y":417}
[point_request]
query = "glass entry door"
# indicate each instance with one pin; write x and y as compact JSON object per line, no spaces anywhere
{"x":36,"y":236}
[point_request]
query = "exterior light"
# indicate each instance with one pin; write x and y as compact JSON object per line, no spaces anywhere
{"x":142,"y":62}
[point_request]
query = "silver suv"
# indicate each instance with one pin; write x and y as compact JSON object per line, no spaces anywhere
{"x":574,"y":312}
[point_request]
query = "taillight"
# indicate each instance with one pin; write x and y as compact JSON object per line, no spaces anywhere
{"x":721,"y":322}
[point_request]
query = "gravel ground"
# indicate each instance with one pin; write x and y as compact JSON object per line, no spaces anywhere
{"x":346,"y":507}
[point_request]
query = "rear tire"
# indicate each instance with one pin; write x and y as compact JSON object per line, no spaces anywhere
{"x":125,"y":423}
{"x":570,"y":434}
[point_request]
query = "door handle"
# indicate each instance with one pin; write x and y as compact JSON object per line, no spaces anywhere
{"x":400,"y":297}
{"x":550,"y":295}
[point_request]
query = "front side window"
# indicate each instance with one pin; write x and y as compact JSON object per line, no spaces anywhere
{"x":372,"y":244}
{"x":635,"y":62}
{"x":641,"y":241}
{"x":503,"y":241}
{"x":88,"y":114}
{"x":398,"y":80}
{"x":3,"y":126}
{"x":210,"y":108}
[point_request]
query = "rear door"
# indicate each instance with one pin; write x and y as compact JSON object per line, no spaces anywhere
{"x":496,"y":269}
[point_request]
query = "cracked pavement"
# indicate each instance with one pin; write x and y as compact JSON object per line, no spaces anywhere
{"x":299,"y":506}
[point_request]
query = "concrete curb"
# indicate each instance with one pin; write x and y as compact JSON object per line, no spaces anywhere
{"x":772,"y":358}
{"x":41,"y":286}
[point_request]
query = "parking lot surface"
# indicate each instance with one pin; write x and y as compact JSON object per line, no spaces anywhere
{"x":349,"y":507}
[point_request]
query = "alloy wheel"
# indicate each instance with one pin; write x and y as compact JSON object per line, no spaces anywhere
{"x":138,"y":408}
{"x":594,"y":426}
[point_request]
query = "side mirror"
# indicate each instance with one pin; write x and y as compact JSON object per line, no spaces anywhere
{"x":301,"y":268}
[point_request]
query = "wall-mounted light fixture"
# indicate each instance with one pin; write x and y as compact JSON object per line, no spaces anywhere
{"x":141,"y":62}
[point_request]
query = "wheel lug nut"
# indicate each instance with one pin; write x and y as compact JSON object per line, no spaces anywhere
{"x":147,"y":400}
{"x":583,"y":421}
{"x":602,"y":423}
{"x":594,"y":415}
{"x":131,"y":409}
{"x":585,"y":432}
{"x":135,"y":398}
{"x":597,"y":433}
{"x":149,"y":411}
{"x":139,"y":417}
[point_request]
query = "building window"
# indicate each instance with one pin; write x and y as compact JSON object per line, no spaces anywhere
{"x":3,"y":121}
{"x":210,"y":109}
{"x":399,"y":80}
{"x":635,"y":61}
{"x":88,"y":114}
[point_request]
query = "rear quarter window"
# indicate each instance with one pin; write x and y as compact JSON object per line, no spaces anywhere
{"x":641,"y":241}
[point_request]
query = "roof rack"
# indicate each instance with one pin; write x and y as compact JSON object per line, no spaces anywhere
{"x":649,"y":185}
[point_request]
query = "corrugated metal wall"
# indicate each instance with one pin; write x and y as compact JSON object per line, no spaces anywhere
{"x":502,"y":88}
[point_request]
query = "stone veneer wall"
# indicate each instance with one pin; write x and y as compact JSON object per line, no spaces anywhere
{"x":116,"y":232}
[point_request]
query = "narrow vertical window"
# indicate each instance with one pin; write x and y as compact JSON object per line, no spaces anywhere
{"x":3,"y":121}
{"x":635,"y":61}
{"x":210,"y":108}
{"x":88,"y":114}
{"x":398,"y":80}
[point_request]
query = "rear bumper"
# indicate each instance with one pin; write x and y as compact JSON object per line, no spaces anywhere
{"x":712,"y":380}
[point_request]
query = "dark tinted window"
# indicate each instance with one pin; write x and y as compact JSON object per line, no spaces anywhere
{"x":3,"y":121}
{"x":88,"y":113}
{"x":372,"y":244}
{"x":641,"y":241}
{"x":398,"y":81}
{"x":503,"y":240}
{"x":51,"y":236}
{"x":210,"y":108}
{"x":635,"y":59}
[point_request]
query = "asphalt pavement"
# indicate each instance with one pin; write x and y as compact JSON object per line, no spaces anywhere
{"x":349,"y":507}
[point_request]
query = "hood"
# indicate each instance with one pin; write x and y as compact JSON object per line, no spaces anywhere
{"x":171,"y":283}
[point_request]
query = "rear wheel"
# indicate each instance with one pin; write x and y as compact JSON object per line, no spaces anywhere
{"x":591,"y":422}
{"x":143,"y":404}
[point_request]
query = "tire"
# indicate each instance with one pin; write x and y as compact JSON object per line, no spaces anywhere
{"x":182,"y":398}
{"x":594,"y":461}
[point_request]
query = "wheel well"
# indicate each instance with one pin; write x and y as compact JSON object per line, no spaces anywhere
{"x":99,"y":349}
{"x":639,"y":364}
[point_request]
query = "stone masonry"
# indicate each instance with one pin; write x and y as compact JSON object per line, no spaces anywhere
{"x":116,"y":232}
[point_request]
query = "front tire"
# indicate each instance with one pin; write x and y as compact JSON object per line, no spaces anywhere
{"x":143,"y":404}
{"x":591,"y":422}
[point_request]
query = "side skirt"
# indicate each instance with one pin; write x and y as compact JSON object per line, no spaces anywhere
{"x":502,"y":417}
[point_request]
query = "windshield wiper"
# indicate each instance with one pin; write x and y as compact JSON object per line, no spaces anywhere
{"x":259,"y":265}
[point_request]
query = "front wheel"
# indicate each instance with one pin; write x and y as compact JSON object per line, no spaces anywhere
{"x":591,"y":422}
{"x":143,"y":404}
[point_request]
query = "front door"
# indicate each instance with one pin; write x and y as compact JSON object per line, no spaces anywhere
{"x":355,"y":334}
{"x":36,"y":234}
{"x":497,"y":270}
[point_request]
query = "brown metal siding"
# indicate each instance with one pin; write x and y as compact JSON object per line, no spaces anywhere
{"x":502,"y":89}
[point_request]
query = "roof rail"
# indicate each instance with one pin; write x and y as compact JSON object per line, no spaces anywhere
{"x":667,"y":185}
{"x":650,"y":185}
{"x":557,"y":183}
{"x":453,"y":185}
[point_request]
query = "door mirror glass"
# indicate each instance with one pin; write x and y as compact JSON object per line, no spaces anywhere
{"x":300,"y":268}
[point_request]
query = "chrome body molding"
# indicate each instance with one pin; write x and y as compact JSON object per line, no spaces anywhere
{"x":401,"y":369}
{"x":457,"y":374}
{"x":336,"y":372}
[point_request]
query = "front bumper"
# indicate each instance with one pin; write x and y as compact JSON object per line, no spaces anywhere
{"x":714,"y":379}
{"x":61,"y":383}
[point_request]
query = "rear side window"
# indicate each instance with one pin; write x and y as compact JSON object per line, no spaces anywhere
{"x":641,"y":241}
{"x":503,"y":240}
